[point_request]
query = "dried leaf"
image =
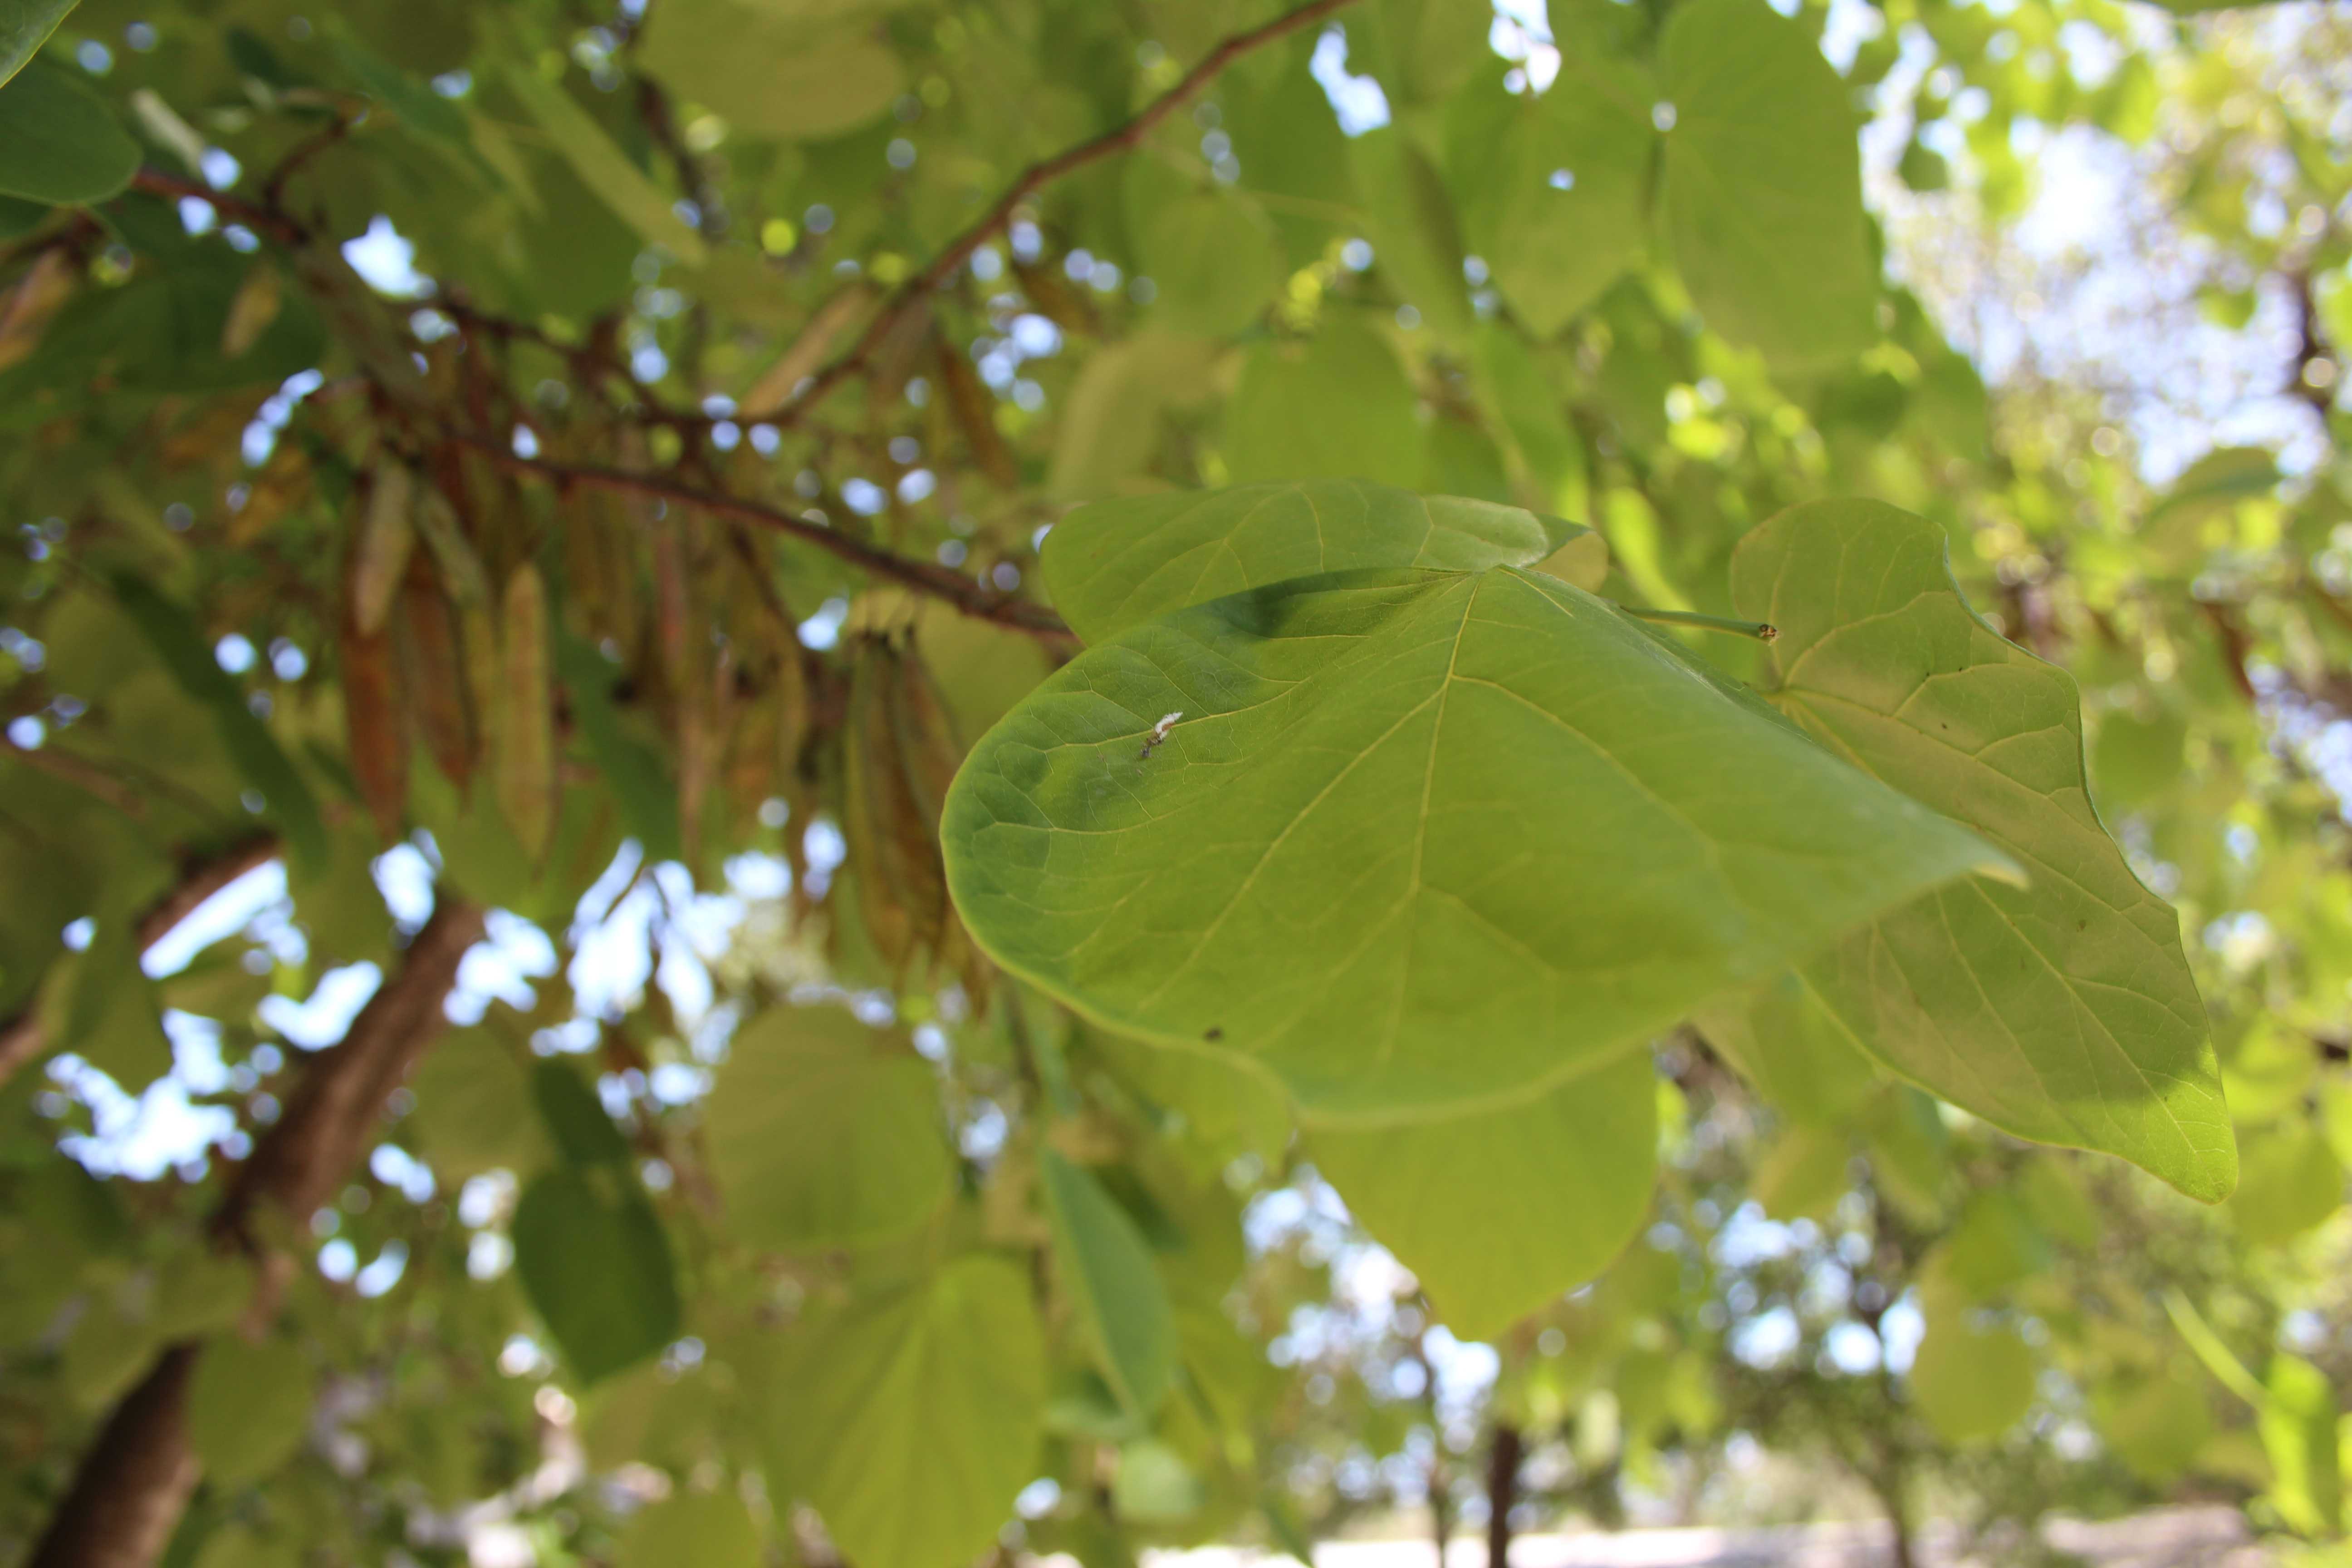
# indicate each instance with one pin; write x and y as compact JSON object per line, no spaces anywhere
{"x":526,"y":740}
{"x":379,"y":741}
{"x":432,"y":665}
{"x":807,"y":353}
{"x":256,"y":305}
{"x":26,"y":309}
{"x":387,"y":533}
{"x":975,"y":411}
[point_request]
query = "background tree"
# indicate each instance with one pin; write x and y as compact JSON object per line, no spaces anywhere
{"x":523,"y":510}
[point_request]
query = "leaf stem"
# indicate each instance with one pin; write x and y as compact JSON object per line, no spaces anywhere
{"x":1762,"y":631}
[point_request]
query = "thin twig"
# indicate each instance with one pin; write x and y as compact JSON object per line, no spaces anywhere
{"x":1762,"y":631}
{"x":1036,"y":177}
{"x":266,"y":221}
{"x":273,"y":190}
{"x":963,"y":592}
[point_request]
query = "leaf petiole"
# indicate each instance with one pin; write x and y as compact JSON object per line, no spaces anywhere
{"x":1762,"y":631}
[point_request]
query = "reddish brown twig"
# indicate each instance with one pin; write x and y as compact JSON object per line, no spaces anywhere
{"x":1036,"y":177}
{"x":964,"y":592}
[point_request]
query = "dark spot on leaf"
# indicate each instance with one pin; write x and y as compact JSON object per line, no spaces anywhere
{"x":1214,"y":1033}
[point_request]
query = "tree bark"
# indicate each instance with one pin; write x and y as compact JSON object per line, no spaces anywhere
{"x":1504,"y":1453}
{"x":133,"y":1484}
{"x":22,"y":1039}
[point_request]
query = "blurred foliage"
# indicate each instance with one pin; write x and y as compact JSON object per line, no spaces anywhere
{"x":593,"y":467}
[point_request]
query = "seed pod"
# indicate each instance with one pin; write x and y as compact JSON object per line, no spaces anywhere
{"x":387,"y":532}
{"x":378,"y":739}
{"x":526,"y":748}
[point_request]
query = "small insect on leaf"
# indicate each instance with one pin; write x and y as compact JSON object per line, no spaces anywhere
{"x":1159,"y":733}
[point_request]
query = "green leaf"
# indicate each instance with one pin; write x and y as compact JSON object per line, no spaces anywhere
{"x":1154,"y":1485}
{"x":909,"y":1421}
{"x":2062,"y":1012}
{"x":768,"y":75}
{"x":2291,"y":1183}
{"x":824,"y":1132}
{"x":2299,"y":1425}
{"x":1501,"y":1211}
{"x":1209,"y":251}
{"x":1107,"y":1266}
{"x":475,"y":1108}
{"x":287,"y":800}
{"x":1119,"y":562}
{"x":2155,"y":1424}
{"x":595,"y":1262}
{"x":575,"y":1118}
{"x":1338,"y":406}
{"x":25,"y":27}
{"x":60,"y":142}
{"x":248,"y":1405}
{"x":603,"y":167}
{"x":634,"y":769}
{"x":1782,"y":1040}
{"x":1554,"y":189}
{"x":1763,"y":184}
{"x":1420,"y":843}
{"x":691,"y":1530}
{"x":1971,"y":1384}
{"x":1409,"y":219}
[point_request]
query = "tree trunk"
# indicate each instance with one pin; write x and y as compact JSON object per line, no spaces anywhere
{"x":127,"y":1497}
{"x":1502,"y":1458}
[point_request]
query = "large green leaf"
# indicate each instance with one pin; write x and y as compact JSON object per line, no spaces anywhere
{"x":1554,"y":189}
{"x":248,"y":1405}
{"x":58,"y":140}
{"x":1788,"y":1045}
{"x":1337,"y":406}
{"x":1763,"y":184}
{"x":1421,"y":842}
{"x":824,"y":1132}
{"x":910,"y":1421}
{"x":595,"y":1262}
{"x":1107,"y":1267}
{"x":25,"y":25}
{"x":2062,"y":1011}
{"x":1210,"y":252}
{"x":1117,"y":563}
{"x":1500,"y":1212}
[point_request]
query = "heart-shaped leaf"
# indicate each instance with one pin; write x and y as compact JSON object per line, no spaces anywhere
{"x":2062,"y":1011}
{"x":1419,"y":842}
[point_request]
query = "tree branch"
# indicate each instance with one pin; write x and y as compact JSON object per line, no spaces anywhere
{"x":132,"y":1485}
{"x":913,"y":293}
{"x":22,"y":1039}
{"x":963,"y":592}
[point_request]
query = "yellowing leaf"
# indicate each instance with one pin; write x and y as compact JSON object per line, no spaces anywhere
{"x":771,"y":75}
{"x":1763,"y":184}
{"x":910,"y":1420}
{"x":823,"y":1133}
{"x":2063,"y":1011}
{"x":1577,"y":1164}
